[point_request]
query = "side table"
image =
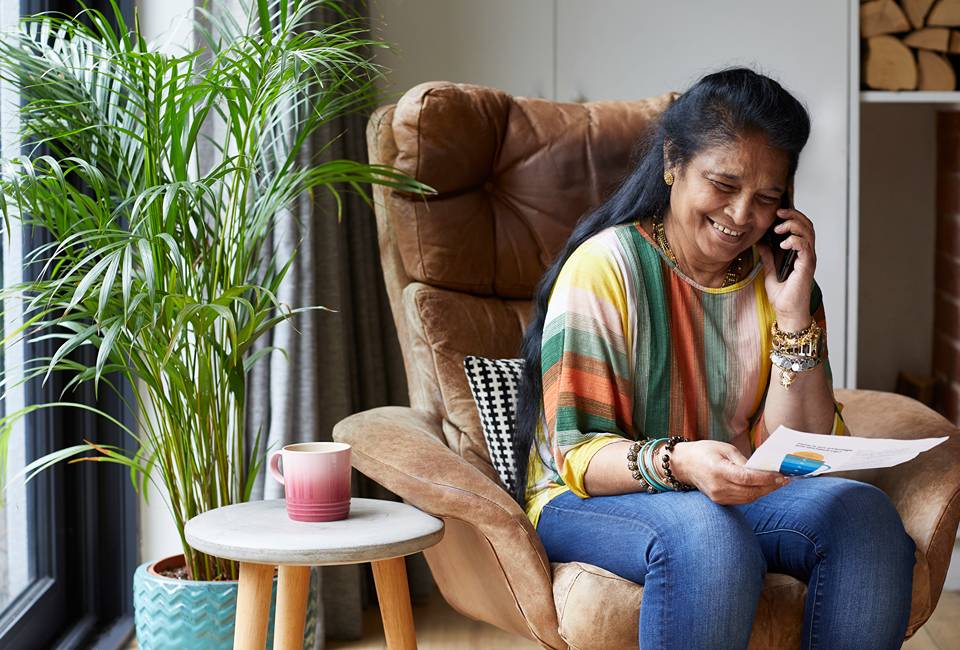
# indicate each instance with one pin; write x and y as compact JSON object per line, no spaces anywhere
{"x":260,"y":536}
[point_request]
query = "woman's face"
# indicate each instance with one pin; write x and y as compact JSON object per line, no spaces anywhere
{"x":726,"y":199}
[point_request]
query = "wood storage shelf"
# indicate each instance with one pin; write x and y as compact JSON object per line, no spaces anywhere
{"x":910,"y":45}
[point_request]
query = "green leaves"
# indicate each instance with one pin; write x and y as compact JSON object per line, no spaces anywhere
{"x":163,"y":180}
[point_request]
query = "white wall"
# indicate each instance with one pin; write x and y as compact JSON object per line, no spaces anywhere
{"x":502,"y":43}
{"x":629,"y":49}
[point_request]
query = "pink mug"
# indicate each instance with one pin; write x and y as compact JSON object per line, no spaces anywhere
{"x":315,"y":478}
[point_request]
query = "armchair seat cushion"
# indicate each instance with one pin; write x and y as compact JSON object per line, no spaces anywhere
{"x":598,"y":609}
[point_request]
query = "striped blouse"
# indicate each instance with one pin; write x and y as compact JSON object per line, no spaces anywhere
{"x":633,"y":348}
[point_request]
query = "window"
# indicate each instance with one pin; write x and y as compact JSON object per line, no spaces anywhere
{"x":15,"y":544}
{"x":67,"y":539}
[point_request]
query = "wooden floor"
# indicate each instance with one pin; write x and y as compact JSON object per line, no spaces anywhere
{"x":441,"y":628}
{"x":942,"y":630}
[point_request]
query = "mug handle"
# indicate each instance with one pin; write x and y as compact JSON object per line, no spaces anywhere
{"x":274,"y":466}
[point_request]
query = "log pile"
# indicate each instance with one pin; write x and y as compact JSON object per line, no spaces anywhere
{"x":910,"y":44}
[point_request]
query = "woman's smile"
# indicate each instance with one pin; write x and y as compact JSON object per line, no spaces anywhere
{"x":725,"y":233}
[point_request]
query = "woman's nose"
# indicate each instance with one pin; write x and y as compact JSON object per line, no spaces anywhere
{"x":739,"y":210}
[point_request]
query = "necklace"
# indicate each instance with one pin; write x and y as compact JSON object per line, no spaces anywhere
{"x":733,"y":271}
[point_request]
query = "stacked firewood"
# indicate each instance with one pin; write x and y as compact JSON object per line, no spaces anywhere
{"x":910,"y":44}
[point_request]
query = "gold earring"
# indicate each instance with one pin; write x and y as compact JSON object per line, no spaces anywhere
{"x":668,"y":178}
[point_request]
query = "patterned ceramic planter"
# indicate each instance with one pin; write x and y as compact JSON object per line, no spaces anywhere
{"x":173,"y":613}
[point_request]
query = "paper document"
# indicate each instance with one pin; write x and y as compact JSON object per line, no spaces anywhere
{"x":796,"y":453}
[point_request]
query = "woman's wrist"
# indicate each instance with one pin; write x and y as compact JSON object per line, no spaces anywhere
{"x":792,"y":322}
{"x":658,"y":461}
{"x":678,"y":462}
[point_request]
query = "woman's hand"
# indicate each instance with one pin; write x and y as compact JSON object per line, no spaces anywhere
{"x":791,"y":299}
{"x":716,"y":469}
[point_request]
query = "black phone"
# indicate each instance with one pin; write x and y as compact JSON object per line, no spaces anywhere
{"x":783,"y":259}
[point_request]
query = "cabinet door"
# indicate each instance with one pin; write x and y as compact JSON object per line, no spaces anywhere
{"x":628,"y":49}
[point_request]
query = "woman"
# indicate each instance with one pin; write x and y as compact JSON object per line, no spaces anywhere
{"x":664,"y":317}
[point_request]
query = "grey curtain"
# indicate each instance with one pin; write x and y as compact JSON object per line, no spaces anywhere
{"x":337,"y":363}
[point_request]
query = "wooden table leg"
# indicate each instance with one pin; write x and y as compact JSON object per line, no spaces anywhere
{"x":394,"y":595}
{"x":253,"y":606}
{"x":292,"y":591}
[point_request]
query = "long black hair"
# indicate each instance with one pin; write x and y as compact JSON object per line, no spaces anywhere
{"x":717,"y":110}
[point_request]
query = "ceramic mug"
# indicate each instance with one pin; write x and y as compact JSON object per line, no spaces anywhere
{"x":315,"y":478}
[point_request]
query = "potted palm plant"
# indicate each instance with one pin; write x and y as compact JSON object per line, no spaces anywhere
{"x":158,"y":178}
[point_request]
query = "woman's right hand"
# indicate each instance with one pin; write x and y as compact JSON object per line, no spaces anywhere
{"x":717,"y":469}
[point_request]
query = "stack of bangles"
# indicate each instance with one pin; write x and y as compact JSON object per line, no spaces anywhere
{"x":640,"y":461}
{"x":795,"y":352}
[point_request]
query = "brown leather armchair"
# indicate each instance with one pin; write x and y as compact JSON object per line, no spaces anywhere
{"x":513,"y":175}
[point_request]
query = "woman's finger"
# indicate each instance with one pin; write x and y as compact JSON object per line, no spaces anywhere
{"x":791,"y":214}
{"x":797,"y":223}
{"x":797,"y":226}
{"x":748,"y":478}
{"x":796,"y":242}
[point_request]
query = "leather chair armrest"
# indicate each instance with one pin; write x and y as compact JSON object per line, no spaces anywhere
{"x":925,"y":490}
{"x":401,"y":448}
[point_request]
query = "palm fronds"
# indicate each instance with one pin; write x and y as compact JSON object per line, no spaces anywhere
{"x":159,"y":178}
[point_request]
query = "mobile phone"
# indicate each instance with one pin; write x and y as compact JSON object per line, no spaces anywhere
{"x":783,"y":259}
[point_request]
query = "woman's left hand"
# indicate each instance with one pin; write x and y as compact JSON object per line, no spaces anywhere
{"x":790,"y":299}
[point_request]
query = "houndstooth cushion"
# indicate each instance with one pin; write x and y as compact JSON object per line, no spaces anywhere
{"x":494,"y":384}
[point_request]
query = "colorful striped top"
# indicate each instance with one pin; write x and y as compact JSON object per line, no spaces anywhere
{"x":633,"y":348}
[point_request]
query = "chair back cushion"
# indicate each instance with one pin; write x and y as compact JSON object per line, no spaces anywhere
{"x":513,"y":175}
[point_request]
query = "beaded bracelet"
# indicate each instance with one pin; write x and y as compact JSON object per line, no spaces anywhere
{"x":642,"y":465}
{"x":634,"y":463}
{"x":671,"y":479}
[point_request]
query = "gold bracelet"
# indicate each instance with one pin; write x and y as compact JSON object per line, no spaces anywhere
{"x":805,"y":343}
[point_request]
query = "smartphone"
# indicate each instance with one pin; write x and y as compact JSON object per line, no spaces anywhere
{"x":783,"y":259}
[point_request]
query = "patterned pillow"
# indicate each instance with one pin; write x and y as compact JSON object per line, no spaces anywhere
{"x":495,"y":384}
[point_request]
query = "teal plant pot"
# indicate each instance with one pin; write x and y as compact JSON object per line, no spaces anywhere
{"x":198,"y":615}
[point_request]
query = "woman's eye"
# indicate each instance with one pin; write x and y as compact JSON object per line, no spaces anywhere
{"x":768,"y":199}
{"x":723,"y":186}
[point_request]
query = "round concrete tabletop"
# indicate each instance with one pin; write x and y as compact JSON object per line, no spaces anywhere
{"x":261,"y":532}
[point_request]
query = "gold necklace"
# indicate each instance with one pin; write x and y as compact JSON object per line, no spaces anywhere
{"x":733,"y":271}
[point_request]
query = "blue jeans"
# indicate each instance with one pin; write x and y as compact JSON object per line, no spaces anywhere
{"x":703,"y":564}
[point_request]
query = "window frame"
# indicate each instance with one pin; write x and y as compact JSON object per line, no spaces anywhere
{"x":84,"y":517}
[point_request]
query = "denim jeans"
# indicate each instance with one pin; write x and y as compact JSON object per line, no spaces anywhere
{"x":703,"y":564}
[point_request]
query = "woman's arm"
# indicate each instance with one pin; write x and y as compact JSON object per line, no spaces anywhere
{"x":585,"y":359}
{"x":714,"y":467}
{"x":808,"y":404}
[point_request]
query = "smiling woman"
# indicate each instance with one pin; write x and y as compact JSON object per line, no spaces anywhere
{"x":665,"y":347}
